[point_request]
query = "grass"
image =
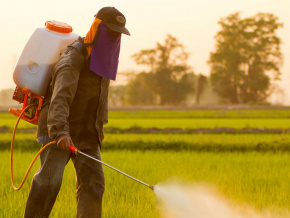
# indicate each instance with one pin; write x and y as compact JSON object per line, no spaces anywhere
{"x":249,"y":169}
{"x":184,"y":123}
{"x":176,"y":142}
{"x":218,"y":113}
{"x":180,"y":123}
{"x":184,"y":119}
{"x":257,"y":179}
{"x":227,"y":113}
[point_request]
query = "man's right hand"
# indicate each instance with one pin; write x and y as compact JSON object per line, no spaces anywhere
{"x":64,"y":142}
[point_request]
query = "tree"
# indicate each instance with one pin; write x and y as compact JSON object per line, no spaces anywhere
{"x":247,"y":57}
{"x":117,"y":95}
{"x":201,"y":82}
{"x":170,"y":78}
{"x":139,"y":90}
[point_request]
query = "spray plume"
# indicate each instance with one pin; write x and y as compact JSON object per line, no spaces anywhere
{"x":199,"y":201}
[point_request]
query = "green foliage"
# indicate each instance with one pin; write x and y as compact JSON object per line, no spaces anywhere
{"x":117,"y":95}
{"x":182,"y":113}
{"x":259,"y":180}
{"x":248,"y":169}
{"x":247,"y":50}
{"x":169,"y":78}
{"x":140,"y":90}
{"x":184,"y":123}
{"x":201,"y":82}
{"x":8,"y":119}
{"x":175,"y":142}
{"x":122,"y":120}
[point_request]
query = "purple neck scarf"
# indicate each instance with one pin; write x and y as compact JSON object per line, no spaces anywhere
{"x":104,"y":58}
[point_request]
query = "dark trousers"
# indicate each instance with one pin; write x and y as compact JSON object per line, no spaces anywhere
{"x":47,"y":181}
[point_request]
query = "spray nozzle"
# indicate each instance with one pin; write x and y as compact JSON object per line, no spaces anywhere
{"x":73,"y":149}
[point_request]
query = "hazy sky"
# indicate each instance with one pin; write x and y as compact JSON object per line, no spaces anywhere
{"x":194,"y":23}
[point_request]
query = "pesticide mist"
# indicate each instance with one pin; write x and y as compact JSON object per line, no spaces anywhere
{"x":199,"y":201}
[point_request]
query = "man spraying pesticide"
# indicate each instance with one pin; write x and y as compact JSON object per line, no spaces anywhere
{"x":73,"y":111}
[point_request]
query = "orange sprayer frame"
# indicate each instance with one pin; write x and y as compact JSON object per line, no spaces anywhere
{"x":16,"y":112}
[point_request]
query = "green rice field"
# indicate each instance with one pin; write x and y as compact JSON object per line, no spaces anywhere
{"x":257,"y":179}
{"x":249,"y":169}
{"x":176,"y":142}
{"x":181,"y":123}
{"x":184,"y":123}
{"x":168,"y":114}
{"x":221,"y":113}
{"x":184,"y":119}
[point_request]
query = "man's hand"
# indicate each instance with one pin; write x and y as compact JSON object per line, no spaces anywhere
{"x":64,"y":142}
{"x":103,"y":136}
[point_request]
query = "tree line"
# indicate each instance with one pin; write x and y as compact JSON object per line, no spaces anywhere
{"x":245,"y":63}
{"x":243,"y":67}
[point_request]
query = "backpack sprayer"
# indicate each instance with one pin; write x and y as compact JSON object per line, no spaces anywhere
{"x":35,"y":65}
{"x":32,"y":75}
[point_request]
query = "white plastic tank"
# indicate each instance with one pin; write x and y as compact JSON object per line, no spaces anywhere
{"x":35,"y":65}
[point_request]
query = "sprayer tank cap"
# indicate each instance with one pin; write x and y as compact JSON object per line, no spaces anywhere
{"x":58,"y":26}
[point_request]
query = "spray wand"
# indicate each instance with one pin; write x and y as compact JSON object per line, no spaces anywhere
{"x":76,"y":151}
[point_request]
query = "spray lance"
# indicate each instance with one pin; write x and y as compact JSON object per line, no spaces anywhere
{"x":76,"y":151}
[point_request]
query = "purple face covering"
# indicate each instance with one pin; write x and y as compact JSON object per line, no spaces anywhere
{"x":105,"y":53}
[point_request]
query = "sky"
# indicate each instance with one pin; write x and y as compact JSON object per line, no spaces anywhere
{"x":193,"y":23}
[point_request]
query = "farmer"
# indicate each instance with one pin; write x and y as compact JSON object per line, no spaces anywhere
{"x":74,"y":112}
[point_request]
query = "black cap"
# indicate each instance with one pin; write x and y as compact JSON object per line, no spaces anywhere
{"x":114,"y":19}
